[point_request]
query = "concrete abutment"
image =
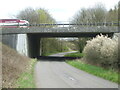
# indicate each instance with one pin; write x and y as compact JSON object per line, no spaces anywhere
{"x":25,"y":44}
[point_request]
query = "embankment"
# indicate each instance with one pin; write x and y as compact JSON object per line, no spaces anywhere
{"x":13,"y":64}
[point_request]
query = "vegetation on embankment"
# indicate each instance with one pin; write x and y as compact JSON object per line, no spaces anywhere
{"x":13,"y":65}
{"x":100,"y":58}
{"x":77,"y":54}
{"x":26,"y":79}
{"x":54,"y":52}
{"x":95,"y":70}
{"x":102,"y":51}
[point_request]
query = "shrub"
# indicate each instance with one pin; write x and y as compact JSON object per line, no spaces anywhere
{"x":102,"y":51}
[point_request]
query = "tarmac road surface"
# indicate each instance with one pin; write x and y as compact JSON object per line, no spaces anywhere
{"x":58,"y":74}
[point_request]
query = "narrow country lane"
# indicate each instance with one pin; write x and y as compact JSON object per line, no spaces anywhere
{"x":58,"y":74}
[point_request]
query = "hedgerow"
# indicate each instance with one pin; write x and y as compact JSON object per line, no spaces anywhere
{"x":103,"y":51}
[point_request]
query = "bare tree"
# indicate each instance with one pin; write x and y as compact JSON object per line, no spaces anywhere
{"x":44,"y":16}
{"x":119,"y":11}
{"x":91,"y":15}
{"x":112,"y":15}
{"x":30,"y":15}
{"x":96,"y":14}
{"x":36,"y":16}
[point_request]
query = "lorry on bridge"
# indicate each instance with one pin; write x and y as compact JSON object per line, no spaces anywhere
{"x":13,"y":23}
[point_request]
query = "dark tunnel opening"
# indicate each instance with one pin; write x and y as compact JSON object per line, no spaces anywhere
{"x":34,"y":43}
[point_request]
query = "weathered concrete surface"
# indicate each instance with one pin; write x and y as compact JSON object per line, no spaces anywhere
{"x":10,"y":40}
{"x":55,"y":30}
{"x":22,"y":44}
{"x":16,"y":41}
{"x":25,"y":44}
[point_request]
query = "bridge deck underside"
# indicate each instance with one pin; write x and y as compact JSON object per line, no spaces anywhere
{"x":69,"y":34}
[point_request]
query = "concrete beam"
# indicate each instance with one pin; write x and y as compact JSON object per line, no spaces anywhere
{"x":62,"y":30}
{"x":48,"y":35}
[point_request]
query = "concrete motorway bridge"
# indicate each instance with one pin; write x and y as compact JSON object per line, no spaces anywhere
{"x":34,"y":33}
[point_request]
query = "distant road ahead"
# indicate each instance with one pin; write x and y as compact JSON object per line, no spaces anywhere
{"x":58,"y":74}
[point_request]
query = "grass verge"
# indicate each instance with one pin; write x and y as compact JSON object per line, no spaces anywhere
{"x":98,"y":71}
{"x":77,"y":54}
{"x":26,"y":80}
{"x":50,"y":53}
{"x":55,"y":52}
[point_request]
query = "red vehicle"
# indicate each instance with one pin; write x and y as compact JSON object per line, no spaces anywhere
{"x":13,"y":23}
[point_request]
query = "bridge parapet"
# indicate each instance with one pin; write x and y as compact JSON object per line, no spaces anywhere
{"x":80,"y":29}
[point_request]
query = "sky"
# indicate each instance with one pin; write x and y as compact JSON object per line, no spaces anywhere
{"x":61,"y":10}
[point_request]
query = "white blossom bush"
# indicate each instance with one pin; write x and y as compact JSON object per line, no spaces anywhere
{"x":102,"y":51}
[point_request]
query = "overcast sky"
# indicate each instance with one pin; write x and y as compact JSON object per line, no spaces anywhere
{"x":61,"y":10}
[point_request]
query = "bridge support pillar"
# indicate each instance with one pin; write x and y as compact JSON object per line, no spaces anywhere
{"x":33,"y":46}
{"x":40,"y":47}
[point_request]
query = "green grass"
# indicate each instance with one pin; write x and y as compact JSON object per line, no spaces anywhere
{"x":50,"y":53}
{"x":98,"y":71}
{"x":55,"y":52}
{"x":26,"y":80}
{"x":77,"y":54}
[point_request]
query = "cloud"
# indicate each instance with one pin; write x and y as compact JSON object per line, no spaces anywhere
{"x":59,"y":9}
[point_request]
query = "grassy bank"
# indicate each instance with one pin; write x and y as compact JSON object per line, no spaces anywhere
{"x":26,"y":80}
{"x":50,"y":53}
{"x":13,"y":65}
{"x":98,"y":71}
{"x":77,"y":54}
{"x":55,"y":52}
